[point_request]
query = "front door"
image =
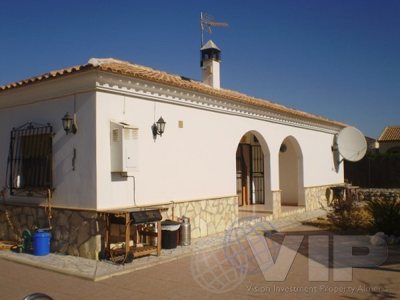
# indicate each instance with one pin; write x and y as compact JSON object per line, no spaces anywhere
{"x":257,"y":175}
{"x":243,"y":172}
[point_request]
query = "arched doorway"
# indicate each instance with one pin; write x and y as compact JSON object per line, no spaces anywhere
{"x":291,"y":173}
{"x":252,"y":170}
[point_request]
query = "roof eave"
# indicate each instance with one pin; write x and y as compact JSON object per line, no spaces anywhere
{"x":156,"y":76}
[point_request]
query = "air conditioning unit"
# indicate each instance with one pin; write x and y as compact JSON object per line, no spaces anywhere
{"x":124,"y":147}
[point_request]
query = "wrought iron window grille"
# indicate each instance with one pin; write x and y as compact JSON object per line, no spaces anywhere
{"x":30,"y":160}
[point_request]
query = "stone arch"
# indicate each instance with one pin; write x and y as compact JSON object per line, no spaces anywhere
{"x":291,"y":174}
{"x":253,"y":175}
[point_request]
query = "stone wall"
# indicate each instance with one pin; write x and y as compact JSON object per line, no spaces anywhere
{"x":373,"y":194}
{"x":317,"y":196}
{"x":206,"y":216}
{"x":81,"y":233}
{"x":73,"y":232}
{"x":276,"y":203}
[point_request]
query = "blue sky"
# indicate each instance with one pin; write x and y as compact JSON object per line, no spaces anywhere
{"x":337,"y":58}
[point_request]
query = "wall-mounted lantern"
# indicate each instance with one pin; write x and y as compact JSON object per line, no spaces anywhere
{"x":158,"y":128}
{"x":69,"y":124}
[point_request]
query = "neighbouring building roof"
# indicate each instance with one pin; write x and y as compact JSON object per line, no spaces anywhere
{"x":390,"y":134}
{"x":149,"y":74}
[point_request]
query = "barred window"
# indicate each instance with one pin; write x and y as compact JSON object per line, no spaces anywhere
{"x":30,"y":159}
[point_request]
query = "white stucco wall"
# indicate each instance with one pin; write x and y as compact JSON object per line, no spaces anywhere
{"x":290,"y":173}
{"x":198,"y":160}
{"x":183,"y":164}
{"x":75,"y":189}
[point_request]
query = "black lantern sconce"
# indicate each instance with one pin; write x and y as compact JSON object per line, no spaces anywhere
{"x":69,"y":124}
{"x":158,"y":128}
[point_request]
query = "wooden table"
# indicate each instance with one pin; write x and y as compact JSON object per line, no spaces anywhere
{"x":137,"y":235}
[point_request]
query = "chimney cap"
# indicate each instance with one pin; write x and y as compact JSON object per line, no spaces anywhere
{"x":210,"y":45}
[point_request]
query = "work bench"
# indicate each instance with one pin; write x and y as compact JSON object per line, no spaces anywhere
{"x":142,"y":226}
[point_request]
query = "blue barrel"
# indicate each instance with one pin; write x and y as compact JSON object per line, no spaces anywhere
{"x":41,"y":242}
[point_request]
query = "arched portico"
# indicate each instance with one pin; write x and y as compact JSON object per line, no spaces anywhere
{"x":291,"y":176}
{"x":253,"y":179}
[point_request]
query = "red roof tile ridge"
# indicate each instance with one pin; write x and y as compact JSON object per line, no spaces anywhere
{"x":147,"y":73}
{"x":390,"y":133}
{"x":48,"y":75}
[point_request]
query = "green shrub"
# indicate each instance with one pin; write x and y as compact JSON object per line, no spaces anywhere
{"x":385,"y":214}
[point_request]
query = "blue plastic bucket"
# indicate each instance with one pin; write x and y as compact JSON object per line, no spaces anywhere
{"x":41,"y":243}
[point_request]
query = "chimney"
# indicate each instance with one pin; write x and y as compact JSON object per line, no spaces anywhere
{"x":210,"y":60}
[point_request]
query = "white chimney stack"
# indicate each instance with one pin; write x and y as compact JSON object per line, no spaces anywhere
{"x":210,"y":60}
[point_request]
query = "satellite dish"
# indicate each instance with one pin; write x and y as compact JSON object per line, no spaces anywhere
{"x":351,"y":144}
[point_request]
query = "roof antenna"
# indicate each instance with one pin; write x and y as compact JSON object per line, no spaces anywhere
{"x":206,"y":22}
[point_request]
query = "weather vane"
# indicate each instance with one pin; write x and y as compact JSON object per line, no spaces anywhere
{"x":206,"y":22}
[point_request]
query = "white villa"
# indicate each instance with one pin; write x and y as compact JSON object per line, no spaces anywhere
{"x":221,"y":152}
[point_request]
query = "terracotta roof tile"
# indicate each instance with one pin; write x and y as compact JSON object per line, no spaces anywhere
{"x":46,"y":76}
{"x":149,"y":74}
{"x":390,"y":134}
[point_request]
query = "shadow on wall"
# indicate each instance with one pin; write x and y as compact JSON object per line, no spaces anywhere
{"x":291,"y":172}
{"x":335,"y":154}
{"x":116,"y":177}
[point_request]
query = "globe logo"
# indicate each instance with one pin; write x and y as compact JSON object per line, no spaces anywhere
{"x":244,"y":246}
{"x":215,"y":273}
{"x":246,"y":241}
